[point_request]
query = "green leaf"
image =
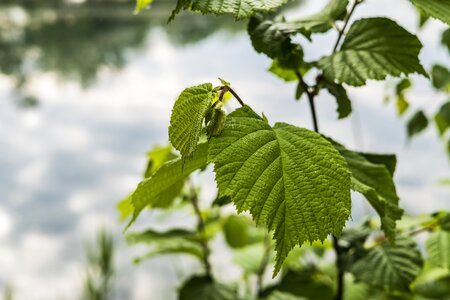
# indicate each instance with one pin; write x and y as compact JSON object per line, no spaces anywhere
{"x":390,"y":267}
{"x":402,"y":86}
{"x":287,"y":74}
{"x":402,"y":105}
{"x":417,"y":123}
{"x":204,"y":288}
{"x":270,"y":36}
{"x":166,"y":184}
{"x":442,"y":118}
{"x":174,"y":241}
{"x":239,"y":9}
{"x":157,"y":157}
{"x":215,"y":122}
{"x":309,"y":283}
{"x":374,"y":181}
{"x":388,"y":160}
{"x":439,"y":9}
{"x":249,"y":258}
{"x":433,"y":283}
{"x":289,"y":178}
{"x":373,"y":49}
{"x":125,"y":208}
{"x":141,"y":4}
{"x":340,"y":94}
{"x":187,"y":117}
{"x":444,"y":222}
{"x":446,"y":38}
{"x":323,"y":20}
{"x":172,"y":247}
{"x":277,"y":295}
{"x":235,"y":229}
{"x":440,"y":77}
{"x":438,"y":249}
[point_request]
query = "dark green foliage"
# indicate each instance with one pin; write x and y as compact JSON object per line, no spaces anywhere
{"x":417,"y":123}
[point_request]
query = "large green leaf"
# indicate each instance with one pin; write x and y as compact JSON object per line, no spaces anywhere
{"x":417,"y":123}
{"x":204,"y":288}
{"x":373,"y":49}
{"x":240,"y":9}
{"x":373,"y":179}
{"x":187,"y":117}
{"x":289,"y":178}
{"x":442,"y":118}
{"x":438,"y":249}
{"x":323,"y":20}
{"x":165,"y":185}
{"x":390,"y":267}
{"x":439,"y":9}
{"x":271,"y":37}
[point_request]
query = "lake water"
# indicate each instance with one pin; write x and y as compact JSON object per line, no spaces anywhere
{"x":87,"y":89}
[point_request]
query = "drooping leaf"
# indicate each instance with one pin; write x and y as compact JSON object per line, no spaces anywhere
{"x":433,"y":283}
{"x":344,"y":107}
{"x":374,"y":181}
{"x":442,"y":118}
{"x":271,"y":37}
{"x":373,"y":49}
{"x":440,"y":77}
{"x":438,"y":249}
{"x":289,"y":178}
{"x":239,"y":9}
{"x":187,"y":117}
{"x":323,"y":20}
{"x":439,"y":9}
{"x":141,"y":4}
{"x":157,"y":157}
{"x":165,"y":185}
{"x":204,"y":288}
{"x":417,"y":123}
{"x":390,"y":267}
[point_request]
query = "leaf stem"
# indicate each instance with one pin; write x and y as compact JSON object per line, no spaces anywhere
{"x":201,"y":231}
{"x":263,"y":265}
{"x":346,"y":22}
{"x":225,"y":89}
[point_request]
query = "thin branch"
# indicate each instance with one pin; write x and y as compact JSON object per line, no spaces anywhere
{"x":263,"y":265}
{"x":311,"y":96}
{"x":201,"y":231}
{"x":225,"y":89}
{"x":346,"y":22}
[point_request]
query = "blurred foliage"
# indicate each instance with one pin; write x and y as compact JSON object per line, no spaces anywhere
{"x":100,"y":270}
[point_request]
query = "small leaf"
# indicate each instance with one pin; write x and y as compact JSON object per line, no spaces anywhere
{"x":438,"y":249}
{"x":417,"y":123}
{"x":287,"y":74}
{"x":299,"y":91}
{"x":340,"y":94}
{"x":236,"y":231}
{"x":442,"y":118}
{"x":439,"y":9}
{"x":390,"y":267}
{"x":152,"y":236}
{"x":172,"y":247}
{"x":239,"y":9}
{"x":440,"y":77}
{"x":373,"y":49}
{"x":141,"y":4}
{"x":373,"y":179}
{"x":187,"y":117}
{"x":402,"y":105}
{"x":216,"y":123}
{"x":204,"y":288}
{"x":166,"y":184}
{"x":289,"y":178}
{"x":402,"y":86}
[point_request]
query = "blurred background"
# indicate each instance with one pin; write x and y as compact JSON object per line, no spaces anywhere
{"x":86,"y":89}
